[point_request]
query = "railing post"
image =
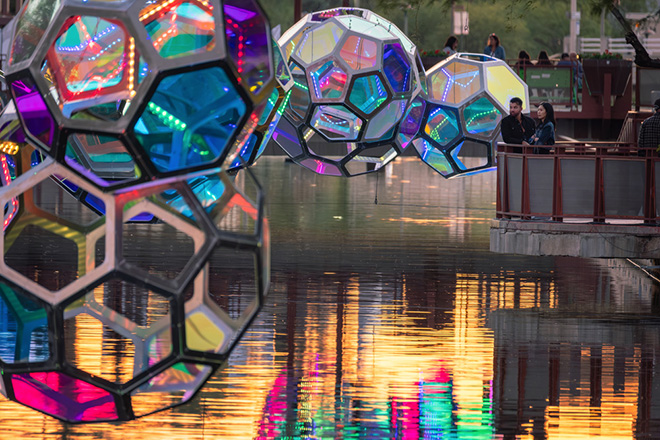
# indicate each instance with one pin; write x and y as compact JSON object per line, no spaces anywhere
{"x":649,"y":191}
{"x":524,"y":203}
{"x":557,"y":202}
{"x":599,"y":190}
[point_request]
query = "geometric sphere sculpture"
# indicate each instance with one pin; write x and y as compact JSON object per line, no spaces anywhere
{"x":468,"y":95}
{"x":106,"y":320}
{"x":124,"y":92}
{"x":355,"y":77}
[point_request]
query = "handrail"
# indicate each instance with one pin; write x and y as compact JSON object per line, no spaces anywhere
{"x":600,"y":182}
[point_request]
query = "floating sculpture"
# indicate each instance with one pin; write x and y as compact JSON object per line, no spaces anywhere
{"x":355,"y":76}
{"x":140,"y":105}
{"x":467,"y":96}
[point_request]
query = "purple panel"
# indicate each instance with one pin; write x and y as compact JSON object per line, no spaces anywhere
{"x":64,"y":397}
{"x":396,"y":67}
{"x":248,"y":42}
{"x":321,"y":167}
{"x":34,"y":113}
{"x":411,"y":121}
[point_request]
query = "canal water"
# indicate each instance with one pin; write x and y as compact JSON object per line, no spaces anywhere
{"x":388,"y":318}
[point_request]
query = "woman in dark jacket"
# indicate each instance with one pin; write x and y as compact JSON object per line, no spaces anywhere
{"x":545,"y":129}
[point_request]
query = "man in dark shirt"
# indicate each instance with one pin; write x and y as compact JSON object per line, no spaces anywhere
{"x":517,"y":128}
{"x":649,"y":134}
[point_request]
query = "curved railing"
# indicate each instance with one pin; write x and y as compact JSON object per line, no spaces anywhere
{"x":601,"y":182}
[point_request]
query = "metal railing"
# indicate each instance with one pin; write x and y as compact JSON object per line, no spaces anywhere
{"x":618,"y":45}
{"x":601,"y":182}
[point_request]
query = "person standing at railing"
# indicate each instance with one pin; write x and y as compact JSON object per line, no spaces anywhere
{"x":493,"y":48}
{"x":517,"y":128}
{"x":649,"y":134}
{"x":544,"y":135}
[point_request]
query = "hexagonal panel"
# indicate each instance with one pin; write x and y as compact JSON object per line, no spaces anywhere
{"x":282,"y":72}
{"x":34,"y":18}
{"x":190,"y":119}
{"x":88,"y":58}
{"x":455,"y":82}
{"x":383,"y":124}
{"x":442,"y":125}
{"x":469,"y":155}
{"x":298,"y":100}
{"x":328,"y":81}
{"x":23,"y":329}
{"x":33,"y":111}
{"x":482,"y":117}
{"x":126,"y":327}
{"x":103,"y":159}
{"x":321,"y":167}
{"x":336,"y":122}
{"x":173,"y":386}
{"x":397,"y":67}
{"x":247,"y":33}
{"x":319,"y":42}
{"x":433,"y":157}
{"x":64,"y":397}
{"x":503,"y":84}
{"x":368,"y":93}
{"x":178,"y":29}
{"x":359,"y":52}
{"x":370,"y":159}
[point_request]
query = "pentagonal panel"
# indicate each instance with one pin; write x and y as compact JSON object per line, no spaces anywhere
{"x":34,"y":18}
{"x":370,"y":159}
{"x":359,"y":52}
{"x":336,"y":122}
{"x":247,"y":33}
{"x":104,"y":159}
{"x":397,"y":67}
{"x":32,"y":109}
{"x":442,"y":126}
{"x":298,"y":99}
{"x":173,"y":386}
{"x":455,"y":82}
{"x":321,"y":167}
{"x":24,"y":327}
{"x":190,"y":119}
{"x":503,"y":84}
{"x":434,"y":158}
{"x":469,"y":155}
{"x":127,"y":329}
{"x":382,"y":125}
{"x":411,"y":122}
{"x":319,"y":42}
{"x":482,"y":117}
{"x":64,"y":397}
{"x":178,"y":29}
{"x":368,"y":94}
{"x":329,"y":81}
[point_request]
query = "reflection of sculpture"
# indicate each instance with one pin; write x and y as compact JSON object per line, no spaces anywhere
{"x":467,"y":96}
{"x":133,"y":107}
{"x":355,"y":76}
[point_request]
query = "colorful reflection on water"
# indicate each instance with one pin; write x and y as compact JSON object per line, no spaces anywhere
{"x":392,"y":320}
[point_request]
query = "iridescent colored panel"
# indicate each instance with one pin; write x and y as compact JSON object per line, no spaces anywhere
{"x":190,"y":120}
{"x":370,"y":159}
{"x":321,"y":167}
{"x":33,"y":111}
{"x":297,"y":102}
{"x":336,"y":122}
{"x":504,"y":84}
{"x":24,"y":335}
{"x":206,"y":332}
{"x":248,"y":42}
{"x":411,"y":122}
{"x":173,"y":386}
{"x":269,"y":108}
{"x":64,"y":397}
{"x":178,"y":29}
{"x":385,"y":121}
{"x":422,"y":73}
{"x":287,"y":138}
{"x":433,"y":158}
{"x":319,"y":42}
{"x":90,"y":55}
{"x":482,"y":117}
{"x":329,"y":81}
{"x":103,"y":159}
{"x":478,"y":158}
{"x":408,"y":45}
{"x":34,"y":18}
{"x":359,"y":52}
{"x":365,"y":27}
{"x":442,"y":126}
{"x":455,"y":82}
{"x":368,"y":94}
{"x":397,"y":67}
{"x":282,"y":72}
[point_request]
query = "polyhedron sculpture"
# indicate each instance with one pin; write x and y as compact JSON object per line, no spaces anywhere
{"x":355,"y":76}
{"x":125,"y":92}
{"x":468,"y":94}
